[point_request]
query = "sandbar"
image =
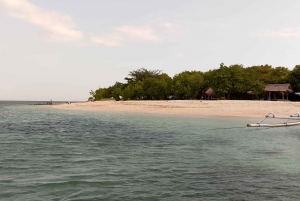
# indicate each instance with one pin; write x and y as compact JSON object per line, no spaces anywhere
{"x":230,"y":108}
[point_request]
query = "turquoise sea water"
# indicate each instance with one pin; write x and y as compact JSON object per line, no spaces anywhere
{"x":51,"y":154}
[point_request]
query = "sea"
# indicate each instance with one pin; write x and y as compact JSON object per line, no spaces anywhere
{"x":64,"y":155}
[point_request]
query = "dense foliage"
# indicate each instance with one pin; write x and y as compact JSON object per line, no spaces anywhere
{"x":227,"y":82}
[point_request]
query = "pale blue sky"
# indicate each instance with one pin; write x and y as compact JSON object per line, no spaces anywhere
{"x":61,"y":50}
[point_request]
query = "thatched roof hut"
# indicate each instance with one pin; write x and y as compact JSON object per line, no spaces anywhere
{"x":209,"y":92}
{"x":278,"y":90}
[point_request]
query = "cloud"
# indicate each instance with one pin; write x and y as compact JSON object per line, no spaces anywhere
{"x":143,"y":33}
{"x":60,"y":27}
{"x":124,"y":34}
{"x":108,"y":41}
{"x":159,"y":30}
{"x":168,"y":31}
{"x":283,"y":33}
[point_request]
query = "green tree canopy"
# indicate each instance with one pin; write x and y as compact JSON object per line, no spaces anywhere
{"x":188,"y":85}
{"x":231,"y":82}
{"x":141,"y":74}
{"x":294,"y":78}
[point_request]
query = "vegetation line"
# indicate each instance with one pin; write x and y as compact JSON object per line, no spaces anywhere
{"x":234,"y":82}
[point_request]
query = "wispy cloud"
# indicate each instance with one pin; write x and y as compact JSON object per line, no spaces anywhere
{"x":60,"y":27}
{"x":283,"y":33}
{"x":168,"y":31}
{"x":143,"y":33}
{"x":108,"y":40}
{"x":124,"y":34}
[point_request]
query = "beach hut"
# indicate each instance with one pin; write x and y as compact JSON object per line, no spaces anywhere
{"x":278,"y":91}
{"x":209,"y":94}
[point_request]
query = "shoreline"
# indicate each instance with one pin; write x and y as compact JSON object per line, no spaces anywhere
{"x":219,"y":108}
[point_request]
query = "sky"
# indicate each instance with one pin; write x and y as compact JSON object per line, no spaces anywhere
{"x":61,"y":50}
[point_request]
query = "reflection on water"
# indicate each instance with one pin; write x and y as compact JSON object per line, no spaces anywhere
{"x":49,"y":154}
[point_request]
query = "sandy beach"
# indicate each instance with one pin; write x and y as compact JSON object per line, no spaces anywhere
{"x":232,"y":108}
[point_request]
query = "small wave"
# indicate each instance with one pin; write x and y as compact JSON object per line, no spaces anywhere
{"x":79,"y":183}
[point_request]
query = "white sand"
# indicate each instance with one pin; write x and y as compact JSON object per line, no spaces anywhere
{"x":233,"y":108}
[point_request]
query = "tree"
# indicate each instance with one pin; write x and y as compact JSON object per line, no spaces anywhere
{"x":253,"y":83}
{"x":98,"y":94}
{"x":141,"y":74}
{"x":196,"y":84}
{"x":138,"y":90}
{"x":219,"y":80}
{"x":92,"y":93}
{"x":279,"y":75}
{"x":128,"y":93}
{"x":294,"y":78}
{"x":228,"y":80}
{"x":237,"y":80}
{"x":157,"y":88}
{"x":188,"y":85}
{"x":264,"y":72}
{"x":117,"y":92}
